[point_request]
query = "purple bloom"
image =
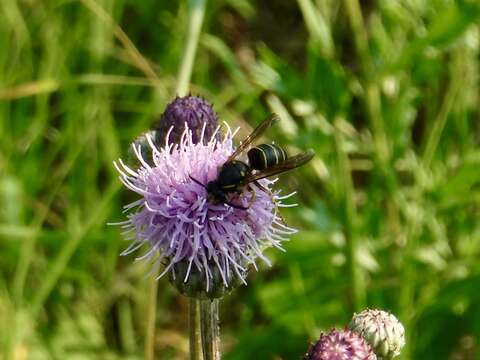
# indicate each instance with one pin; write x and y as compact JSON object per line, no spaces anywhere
{"x":340,"y":345}
{"x":186,"y":232}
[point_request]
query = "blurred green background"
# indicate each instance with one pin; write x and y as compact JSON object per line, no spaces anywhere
{"x":385,"y":91}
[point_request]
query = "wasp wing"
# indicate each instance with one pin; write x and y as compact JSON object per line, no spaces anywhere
{"x":264,"y":125}
{"x":287,"y":165}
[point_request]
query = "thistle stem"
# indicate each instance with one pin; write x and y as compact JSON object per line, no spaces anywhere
{"x":196,"y":12}
{"x":210,"y":329}
{"x":195,"y":329}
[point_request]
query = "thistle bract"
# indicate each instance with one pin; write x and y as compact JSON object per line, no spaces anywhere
{"x":340,"y":345}
{"x":191,"y":111}
{"x":380,"y":329}
{"x":205,"y":247}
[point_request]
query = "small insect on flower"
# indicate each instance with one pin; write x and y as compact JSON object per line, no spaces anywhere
{"x":267,"y":159}
{"x":206,"y":236}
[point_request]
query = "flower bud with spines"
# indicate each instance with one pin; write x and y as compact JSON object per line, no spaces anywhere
{"x":192,"y":111}
{"x":381,"y":330}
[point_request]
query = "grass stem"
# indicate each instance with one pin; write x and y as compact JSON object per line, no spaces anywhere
{"x":439,"y":124}
{"x":137,"y":59}
{"x":359,"y":32}
{"x":63,"y":258}
{"x":349,"y":217}
{"x":196,"y":10}
{"x":151,"y":318}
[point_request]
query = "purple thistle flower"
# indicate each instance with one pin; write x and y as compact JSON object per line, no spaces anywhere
{"x":194,"y":238}
{"x":340,"y":345}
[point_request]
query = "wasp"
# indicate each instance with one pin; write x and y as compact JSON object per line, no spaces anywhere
{"x":264,"y":160}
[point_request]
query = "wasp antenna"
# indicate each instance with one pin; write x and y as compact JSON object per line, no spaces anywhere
{"x":198,"y":182}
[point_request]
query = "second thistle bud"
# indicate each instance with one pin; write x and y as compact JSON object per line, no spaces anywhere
{"x":381,"y":330}
{"x":340,"y":345}
{"x":191,"y":111}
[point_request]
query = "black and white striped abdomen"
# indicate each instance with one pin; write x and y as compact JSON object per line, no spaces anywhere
{"x":265,"y":155}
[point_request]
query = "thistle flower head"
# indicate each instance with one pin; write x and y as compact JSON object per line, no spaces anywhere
{"x":340,"y":345}
{"x":205,"y":247}
{"x":380,"y":329}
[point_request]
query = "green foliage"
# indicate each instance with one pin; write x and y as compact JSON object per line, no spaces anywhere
{"x":388,"y":98}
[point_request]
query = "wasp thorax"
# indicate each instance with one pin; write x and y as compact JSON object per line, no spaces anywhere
{"x":232,"y":174}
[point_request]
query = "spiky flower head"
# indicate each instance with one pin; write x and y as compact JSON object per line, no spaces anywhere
{"x":380,"y":329}
{"x":340,"y":345}
{"x":204,"y":247}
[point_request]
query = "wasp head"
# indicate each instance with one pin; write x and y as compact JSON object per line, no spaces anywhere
{"x":215,"y":193}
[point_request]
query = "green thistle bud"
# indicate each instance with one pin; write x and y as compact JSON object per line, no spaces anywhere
{"x":381,"y":330}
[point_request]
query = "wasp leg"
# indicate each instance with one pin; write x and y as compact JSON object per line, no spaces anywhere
{"x":239,"y":207}
{"x":261,"y":187}
{"x":265,"y":190}
{"x":237,"y":196}
{"x":252,"y":195}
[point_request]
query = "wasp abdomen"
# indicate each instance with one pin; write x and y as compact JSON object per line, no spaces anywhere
{"x":265,"y":155}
